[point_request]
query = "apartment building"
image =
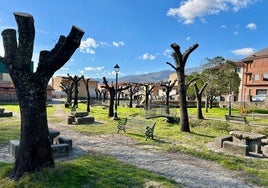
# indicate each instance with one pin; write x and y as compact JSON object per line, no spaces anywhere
{"x":255,"y":76}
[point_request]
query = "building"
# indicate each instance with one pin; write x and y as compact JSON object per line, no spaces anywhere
{"x":255,"y":75}
{"x":58,"y":91}
{"x":7,"y":89}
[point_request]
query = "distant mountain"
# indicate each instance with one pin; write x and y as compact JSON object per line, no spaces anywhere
{"x":149,"y":77}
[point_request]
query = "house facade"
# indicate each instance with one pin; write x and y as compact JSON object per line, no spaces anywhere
{"x":58,"y":91}
{"x":255,"y":76}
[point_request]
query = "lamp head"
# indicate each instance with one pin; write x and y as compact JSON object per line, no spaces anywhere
{"x":116,"y":68}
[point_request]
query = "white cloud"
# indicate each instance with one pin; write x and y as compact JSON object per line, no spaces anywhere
{"x":167,"y":52}
{"x":117,"y":44}
{"x":235,"y":33}
{"x":90,"y":69}
{"x":189,"y":10}
{"x":251,"y":26}
{"x":147,"y":56}
{"x":88,"y":46}
{"x":243,"y":51}
{"x":223,"y":26}
{"x":188,"y":38}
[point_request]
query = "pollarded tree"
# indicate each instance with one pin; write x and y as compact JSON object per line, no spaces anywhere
{"x":111,"y":90}
{"x":35,"y":151}
{"x":68,"y":88}
{"x":168,"y":86}
{"x":86,"y":82}
{"x":148,"y":91}
{"x":75,"y":81}
{"x":180,"y":62}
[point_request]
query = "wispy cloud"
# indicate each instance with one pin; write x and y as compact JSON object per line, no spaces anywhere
{"x":189,"y":10}
{"x":167,"y":52}
{"x":117,"y":44}
{"x":251,"y":26}
{"x":94,"y":69}
{"x":89,"y":45}
{"x":243,"y":51}
{"x":147,"y":56}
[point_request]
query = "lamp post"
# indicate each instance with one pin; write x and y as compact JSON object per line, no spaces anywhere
{"x":230,"y":98}
{"x":116,"y":70}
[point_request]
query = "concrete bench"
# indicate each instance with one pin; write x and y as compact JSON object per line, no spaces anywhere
{"x":80,"y":114}
{"x":13,"y":147}
{"x":65,"y":140}
{"x":219,"y":141}
{"x":237,"y":118}
{"x":59,"y":150}
{"x":236,"y":148}
{"x":84,"y":120}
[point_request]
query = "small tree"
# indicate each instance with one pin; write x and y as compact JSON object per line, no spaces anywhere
{"x":34,"y":151}
{"x":168,"y":87}
{"x":86,"y":82}
{"x":68,"y":88}
{"x":75,"y":81}
{"x":180,"y":62}
{"x":132,"y":90}
{"x":111,"y":90}
{"x":148,"y":90}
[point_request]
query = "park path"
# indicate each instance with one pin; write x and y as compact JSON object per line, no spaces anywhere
{"x":184,"y":169}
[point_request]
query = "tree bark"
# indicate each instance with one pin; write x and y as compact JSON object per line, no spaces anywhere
{"x":35,"y":151}
{"x":198,"y":94}
{"x":111,"y":90}
{"x":180,"y":62}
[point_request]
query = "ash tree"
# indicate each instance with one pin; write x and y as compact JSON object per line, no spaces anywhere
{"x":180,"y":62}
{"x":35,"y":150}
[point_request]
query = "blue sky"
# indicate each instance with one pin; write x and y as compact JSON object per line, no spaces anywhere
{"x":137,"y":34}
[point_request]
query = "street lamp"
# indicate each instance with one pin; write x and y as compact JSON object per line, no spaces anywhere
{"x":116,"y":70}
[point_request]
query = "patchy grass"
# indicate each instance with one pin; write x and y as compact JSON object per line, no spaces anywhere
{"x":87,"y":171}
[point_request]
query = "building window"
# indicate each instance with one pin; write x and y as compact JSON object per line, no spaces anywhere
{"x":238,"y":69}
{"x":265,"y":75}
{"x":256,"y":76}
{"x":261,"y":91}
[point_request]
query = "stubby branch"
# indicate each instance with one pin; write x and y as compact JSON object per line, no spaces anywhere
{"x":26,"y":32}
{"x":51,"y":61}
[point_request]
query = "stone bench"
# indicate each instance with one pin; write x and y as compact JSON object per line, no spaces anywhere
{"x":13,"y":147}
{"x":84,"y":120}
{"x":6,"y":114}
{"x":219,"y":141}
{"x":80,"y":114}
{"x":265,"y":150}
{"x":65,"y":140}
{"x":59,"y":150}
{"x":236,"y":148}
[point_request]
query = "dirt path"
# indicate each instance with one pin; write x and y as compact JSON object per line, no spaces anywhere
{"x":186,"y":170}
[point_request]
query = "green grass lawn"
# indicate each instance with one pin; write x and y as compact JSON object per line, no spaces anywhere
{"x":94,"y":171}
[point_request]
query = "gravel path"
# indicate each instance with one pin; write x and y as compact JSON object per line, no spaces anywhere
{"x":187,"y":170}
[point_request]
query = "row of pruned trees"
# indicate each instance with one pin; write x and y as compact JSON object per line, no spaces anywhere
{"x":35,"y":150}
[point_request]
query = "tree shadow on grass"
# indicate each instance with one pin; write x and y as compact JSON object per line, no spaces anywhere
{"x":203,"y":135}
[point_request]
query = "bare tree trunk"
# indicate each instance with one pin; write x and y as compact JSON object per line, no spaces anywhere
{"x":35,"y":151}
{"x":198,"y":94}
{"x":180,"y":62}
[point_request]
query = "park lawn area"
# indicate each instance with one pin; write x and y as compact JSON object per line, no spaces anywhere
{"x":168,"y":138}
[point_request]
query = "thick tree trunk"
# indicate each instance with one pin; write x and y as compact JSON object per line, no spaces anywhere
{"x":184,"y":120}
{"x":35,"y":151}
{"x":199,"y":107}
